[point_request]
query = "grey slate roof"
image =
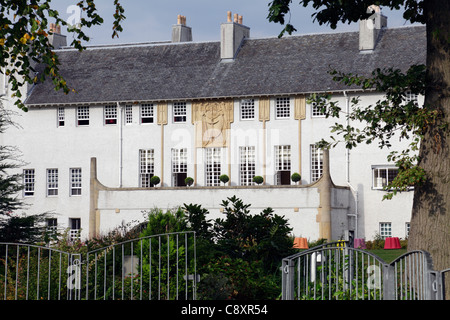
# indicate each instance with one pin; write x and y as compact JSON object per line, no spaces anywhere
{"x":190,"y":70}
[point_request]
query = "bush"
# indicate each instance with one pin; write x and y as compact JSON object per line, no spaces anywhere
{"x":189,"y":181}
{"x":224,"y":178}
{"x":155,"y":180}
{"x":258,"y":179}
{"x":296,"y":177}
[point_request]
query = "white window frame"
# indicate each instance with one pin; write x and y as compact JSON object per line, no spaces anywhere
{"x":74,"y":229}
{"x":179,"y":163}
{"x":316,"y":162}
{"x":147,"y":113}
{"x":247,"y":165}
{"x":179,"y":110}
{"x":52,"y":182}
{"x":61,"y":115}
{"x":82,"y":116}
{"x":75,"y":182}
{"x":52,"y":225}
{"x":282,"y":108}
{"x":409,"y":96}
{"x":110,"y":115}
{"x":146,"y":167}
{"x":283,"y":161}
{"x":128,"y":114}
{"x":29,"y":179}
{"x":316,"y":112}
{"x":213,"y":166}
{"x":382,"y":175}
{"x":247,"y":109}
{"x":385,"y":229}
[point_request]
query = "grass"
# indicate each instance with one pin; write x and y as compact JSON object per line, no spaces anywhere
{"x":388,"y":255}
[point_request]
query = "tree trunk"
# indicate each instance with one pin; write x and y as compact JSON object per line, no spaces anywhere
{"x":430,"y":221}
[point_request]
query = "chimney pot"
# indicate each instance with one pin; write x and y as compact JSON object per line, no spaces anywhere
{"x":240,"y":19}
{"x":236,"y":17}
{"x":179,"y":19}
{"x":181,"y":32}
{"x":229,"y":16}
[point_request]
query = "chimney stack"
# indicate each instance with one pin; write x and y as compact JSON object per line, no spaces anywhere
{"x":181,"y":32}
{"x":56,"y":39}
{"x":232,"y":34}
{"x":370,"y":29}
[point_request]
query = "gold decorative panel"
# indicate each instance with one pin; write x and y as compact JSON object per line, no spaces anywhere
{"x":212,"y":120}
{"x":162,"y":113}
{"x":299,"y":108}
{"x":264,"y":109}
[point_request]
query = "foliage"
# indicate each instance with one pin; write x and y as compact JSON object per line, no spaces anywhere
{"x":24,"y":229}
{"x":189,"y":181}
{"x":155,"y":180}
{"x":24,"y":43}
{"x":390,"y":116}
{"x":333,"y":12}
{"x":224,"y":178}
{"x":258,"y":179}
{"x":296,"y":177}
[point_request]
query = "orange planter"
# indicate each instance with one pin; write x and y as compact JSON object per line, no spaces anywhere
{"x":300,"y":243}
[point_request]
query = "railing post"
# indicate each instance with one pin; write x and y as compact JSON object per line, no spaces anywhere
{"x":388,"y":282}
{"x":287,"y":271}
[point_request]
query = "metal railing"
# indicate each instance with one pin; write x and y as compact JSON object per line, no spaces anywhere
{"x":155,"y":267}
{"x":335,"y":271}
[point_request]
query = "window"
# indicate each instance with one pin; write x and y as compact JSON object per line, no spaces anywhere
{"x":385,"y":229}
{"x":110,"y":114}
{"x":316,"y":163}
{"x":179,"y":112}
{"x":213,"y":166}
{"x":28,"y":182}
{"x":146,"y":167}
{"x":282,"y":165}
{"x":179,"y":167}
{"x":382,"y":176}
{"x":83,"y":116}
{"x":247,"y":109}
{"x":74,"y":229}
{"x":409,"y":96}
{"x":246,"y":166}
{"x":75,"y":181}
{"x":128,"y":114}
{"x":147,"y":113}
{"x":283,"y":108}
{"x":316,"y":111}
{"x":61,"y":116}
{"x":52,"y":226}
{"x":407,"y":229}
{"x":52,"y":182}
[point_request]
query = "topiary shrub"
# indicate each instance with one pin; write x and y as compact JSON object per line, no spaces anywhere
{"x":224,"y":178}
{"x":296,"y":177}
{"x":155,"y":180}
{"x":189,"y":181}
{"x":258,"y":179}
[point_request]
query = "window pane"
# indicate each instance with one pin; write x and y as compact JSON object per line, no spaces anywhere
{"x":247,"y":165}
{"x":75,"y":181}
{"x":147,"y":113}
{"x":179,"y":112}
{"x":83,"y":116}
{"x":283,"y":108}
{"x":52,"y":182}
{"x":316,"y":163}
{"x":146,"y":167}
{"x":28,"y":181}
{"x":110,"y":114}
{"x":213,"y":166}
{"x":247,"y":109}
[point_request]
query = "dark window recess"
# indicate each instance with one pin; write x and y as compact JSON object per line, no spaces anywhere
{"x":84,"y":122}
{"x":284,"y":177}
{"x":147,"y":120}
{"x":179,"y":119}
{"x":179,"y":179}
{"x":111,"y":121}
{"x":61,"y":123}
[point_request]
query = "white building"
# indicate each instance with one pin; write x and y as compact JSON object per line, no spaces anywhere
{"x":237,"y":106}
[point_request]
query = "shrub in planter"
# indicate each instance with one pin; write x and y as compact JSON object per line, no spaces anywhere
{"x":155,"y":180}
{"x":189,"y":181}
{"x":296,"y":177}
{"x":258,"y":179}
{"x":224,"y":178}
